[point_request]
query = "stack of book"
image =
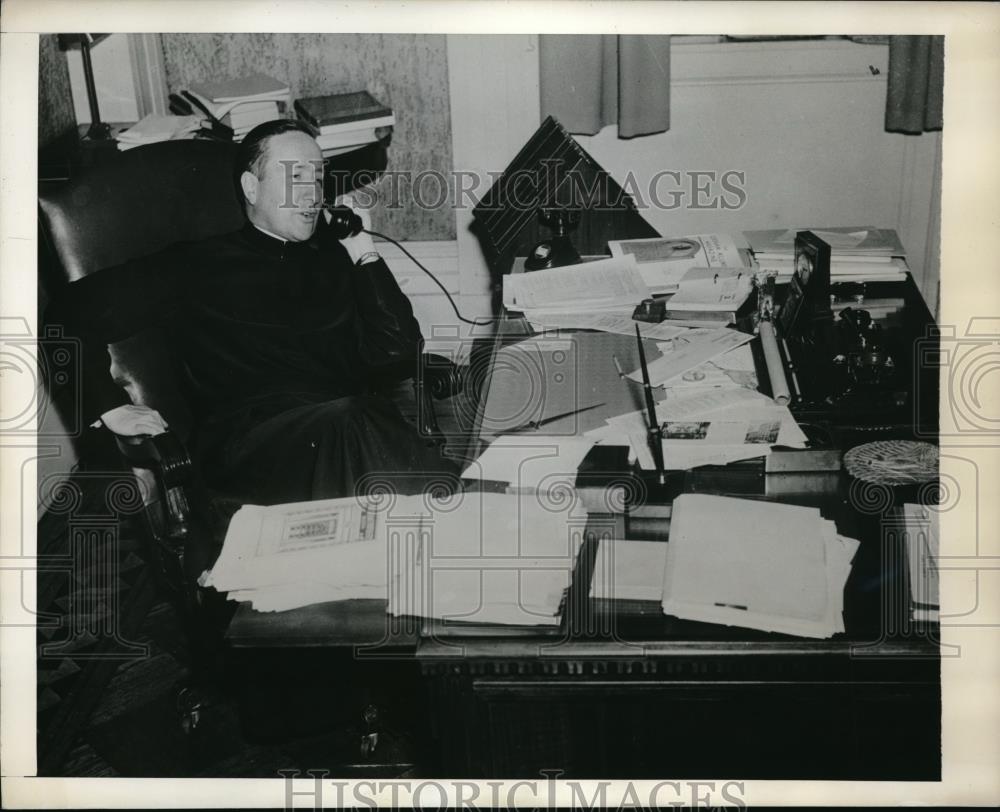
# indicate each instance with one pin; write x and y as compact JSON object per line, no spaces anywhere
{"x":707,"y":297}
{"x":343,"y":122}
{"x":243,"y":103}
{"x":857,"y":254}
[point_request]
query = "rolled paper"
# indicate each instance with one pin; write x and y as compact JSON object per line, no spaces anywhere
{"x":775,"y":369}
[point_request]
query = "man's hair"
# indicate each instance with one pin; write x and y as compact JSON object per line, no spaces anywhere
{"x":252,"y":154}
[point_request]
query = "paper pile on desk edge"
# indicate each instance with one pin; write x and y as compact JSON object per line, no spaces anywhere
{"x":508,"y":557}
{"x":513,"y":571}
{"x":755,"y":564}
{"x":625,"y":569}
{"x":155,"y":127}
{"x":585,"y":287}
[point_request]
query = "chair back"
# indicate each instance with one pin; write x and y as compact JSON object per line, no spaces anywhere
{"x":131,"y":205}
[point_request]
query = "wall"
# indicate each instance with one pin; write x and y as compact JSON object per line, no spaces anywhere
{"x":55,"y":101}
{"x":407,"y":72}
{"x":802,"y":120}
{"x":116,"y":96}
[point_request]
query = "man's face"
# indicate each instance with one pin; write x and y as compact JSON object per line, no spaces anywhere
{"x":286,"y":197}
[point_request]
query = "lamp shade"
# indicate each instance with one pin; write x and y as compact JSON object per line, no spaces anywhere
{"x":69,"y":42}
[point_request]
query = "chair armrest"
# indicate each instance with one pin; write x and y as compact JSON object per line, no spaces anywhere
{"x":441,"y":376}
{"x":167,"y":458}
{"x":438,"y":378}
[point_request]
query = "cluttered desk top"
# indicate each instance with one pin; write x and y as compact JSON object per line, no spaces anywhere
{"x":782,"y":535}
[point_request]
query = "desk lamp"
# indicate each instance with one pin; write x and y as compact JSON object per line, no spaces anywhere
{"x":99,"y":131}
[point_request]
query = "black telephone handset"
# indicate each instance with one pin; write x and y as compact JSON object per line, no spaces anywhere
{"x":344,"y":222}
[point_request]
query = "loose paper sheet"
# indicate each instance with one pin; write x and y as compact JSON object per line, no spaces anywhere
{"x":686,"y":356}
{"x":530,"y":461}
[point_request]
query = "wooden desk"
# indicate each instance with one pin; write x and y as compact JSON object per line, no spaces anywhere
{"x":625,"y":691}
{"x":621,"y":690}
{"x":339,"y":624}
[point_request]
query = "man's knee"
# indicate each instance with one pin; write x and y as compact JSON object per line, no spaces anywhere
{"x":357,"y":407}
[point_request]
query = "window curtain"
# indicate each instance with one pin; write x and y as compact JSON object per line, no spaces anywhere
{"x":589,"y":81}
{"x":915,"y":95}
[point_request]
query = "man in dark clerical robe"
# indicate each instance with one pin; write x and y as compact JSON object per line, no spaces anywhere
{"x":283,"y":331}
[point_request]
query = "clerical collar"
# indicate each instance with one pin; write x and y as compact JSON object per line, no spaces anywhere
{"x":267,"y":243}
{"x":269,"y":234}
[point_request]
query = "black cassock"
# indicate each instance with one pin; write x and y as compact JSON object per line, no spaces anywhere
{"x":282,"y":345}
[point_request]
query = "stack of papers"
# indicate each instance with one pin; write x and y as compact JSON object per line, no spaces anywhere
{"x":154,"y":128}
{"x":585,"y":288}
{"x":664,"y":261}
{"x":857,"y":254}
{"x":757,"y":565}
{"x":707,"y":296}
{"x":628,"y":570}
{"x":291,"y":555}
{"x":494,"y":559}
{"x":484,"y":558}
{"x":244,"y":102}
{"x":922,"y":548}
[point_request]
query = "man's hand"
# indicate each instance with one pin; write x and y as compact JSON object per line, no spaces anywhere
{"x":132,"y":421}
{"x":361,"y":243}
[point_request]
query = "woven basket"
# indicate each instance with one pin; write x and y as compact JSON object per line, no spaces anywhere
{"x":893,"y":462}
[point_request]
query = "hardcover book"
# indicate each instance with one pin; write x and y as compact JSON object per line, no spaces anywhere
{"x":336,"y":110}
{"x":257,"y":86}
